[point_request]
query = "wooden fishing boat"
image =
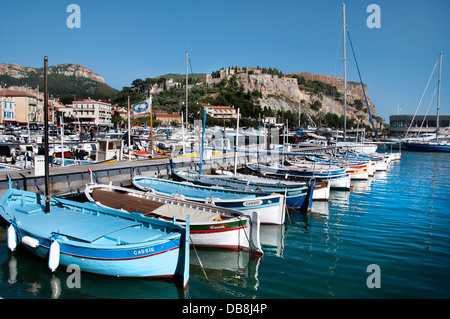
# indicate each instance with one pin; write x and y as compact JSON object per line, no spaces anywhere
{"x":321,"y":189}
{"x":338,"y":180}
{"x":210,"y":226}
{"x":271,"y":207}
{"x":296,"y":197}
{"x":358,"y":172}
{"x":98,"y":240}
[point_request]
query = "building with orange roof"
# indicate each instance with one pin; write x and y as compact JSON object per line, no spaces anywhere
{"x":219,"y":112}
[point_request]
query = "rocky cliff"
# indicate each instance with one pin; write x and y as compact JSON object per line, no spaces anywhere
{"x":18,"y":71}
{"x":66,"y":81}
{"x":285,"y":94}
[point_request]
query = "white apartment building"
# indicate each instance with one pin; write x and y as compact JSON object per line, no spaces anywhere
{"x":91,"y":112}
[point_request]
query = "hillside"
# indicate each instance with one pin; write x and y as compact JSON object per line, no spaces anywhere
{"x":66,"y":81}
{"x":260,"y":92}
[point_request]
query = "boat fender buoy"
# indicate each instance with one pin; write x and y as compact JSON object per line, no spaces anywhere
{"x":12,"y":242}
{"x":32,"y":242}
{"x":53,"y":258}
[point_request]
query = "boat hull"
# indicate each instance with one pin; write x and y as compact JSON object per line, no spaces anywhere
{"x":152,"y":261}
{"x":295,"y":197}
{"x":232,"y":230}
{"x":98,"y":240}
{"x":271,"y":207}
{"x":427,"y":147}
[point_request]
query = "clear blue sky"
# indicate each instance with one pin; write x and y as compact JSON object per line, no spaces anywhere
{"x":125,"y":40}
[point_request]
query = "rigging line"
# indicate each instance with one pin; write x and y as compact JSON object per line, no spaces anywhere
{"x":362,"y":84}
{"x":423,"y":94}
{"x":329,"y":41}
{"x":337,"y":50}
{"x":423,"y":121}
{"x":201,"y":266}
{"x":195,"y":87}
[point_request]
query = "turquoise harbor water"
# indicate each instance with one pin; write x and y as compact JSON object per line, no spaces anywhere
{"x":399,"y":221}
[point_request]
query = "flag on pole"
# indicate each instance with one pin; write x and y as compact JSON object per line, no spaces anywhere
{"x":141,"y":107}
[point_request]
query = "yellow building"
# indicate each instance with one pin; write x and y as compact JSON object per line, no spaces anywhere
{"x":28,"y":107}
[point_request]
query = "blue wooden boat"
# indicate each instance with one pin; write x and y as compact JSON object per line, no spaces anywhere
{"x":299,"y":197}
{"x":293,"y":170}
{"x":210,"y":226}
{"x":271,"y":207}
{"x":99,"y":240}
{"x":338,"y":178}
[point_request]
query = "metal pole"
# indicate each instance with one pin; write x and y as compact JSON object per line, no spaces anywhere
{"x":62,"y":141}
{"x":47,"y":169}
{"x":345,"y":74}
{"x":203,"y":141}
{"x":438,"y":97}
{"x":237,"y":143}
{"x":129,"y":131}
{"x":182,"y":131}
{"x":151,"y":123}
{"x":187,"y":54}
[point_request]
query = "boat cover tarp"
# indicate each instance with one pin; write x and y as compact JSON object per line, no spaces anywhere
{"x":195,"y":216}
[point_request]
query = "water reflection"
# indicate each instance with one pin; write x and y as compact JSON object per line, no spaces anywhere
{"x":224,"y":268}
{"x":29,"y":277}
{"x":320,"y":207}
{"x":273,"y":239}
{"x":360,"y":186}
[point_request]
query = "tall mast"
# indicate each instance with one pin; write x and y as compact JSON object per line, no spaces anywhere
{"x":438,"y":97}
{"x":151,"y":121}
{"x":187,"y":54}
{"x":345,"y":73}
{"x":47,"y":169}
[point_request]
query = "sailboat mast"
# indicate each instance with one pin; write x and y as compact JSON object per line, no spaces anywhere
{"x":151,"y":122}
{"x":187,"y":54}
{"x":47,"y":167}
{"x":345,"y":73}
{"x":237,"y":143}
{"x":438,"y":97}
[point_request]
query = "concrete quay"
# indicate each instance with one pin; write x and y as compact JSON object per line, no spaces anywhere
{"x":71,"y":180}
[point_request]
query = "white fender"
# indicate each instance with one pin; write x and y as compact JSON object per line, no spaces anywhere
{"x":27,"y":240}
{"x":255,"y":241}
{"x":53,"y":258}
{"x":12,"y":242}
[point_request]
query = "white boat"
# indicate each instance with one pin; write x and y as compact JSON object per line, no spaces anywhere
{"x":271,"y":207}
{"x":210,"y":226}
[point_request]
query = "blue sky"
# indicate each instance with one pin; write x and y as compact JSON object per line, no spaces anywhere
{"x":125,"y":40}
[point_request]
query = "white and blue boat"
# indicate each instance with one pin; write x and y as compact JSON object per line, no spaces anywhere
{"x":299,"y":197}
{"x":271,"y":207}
{"x":338,"y":178}
{"x":210,"y":226}
{"x":99,"y":240}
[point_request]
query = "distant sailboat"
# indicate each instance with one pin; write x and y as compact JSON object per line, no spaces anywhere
{"x":431,"y":145}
